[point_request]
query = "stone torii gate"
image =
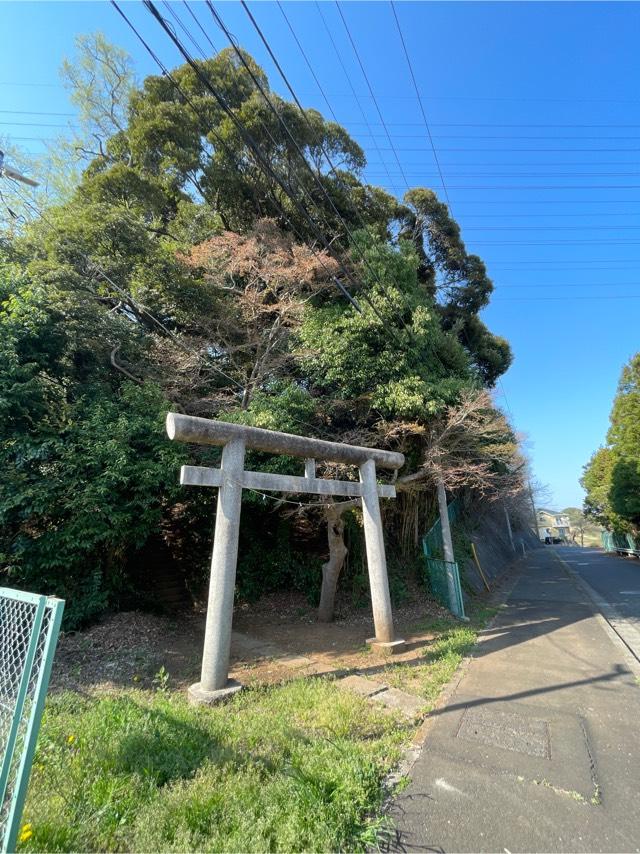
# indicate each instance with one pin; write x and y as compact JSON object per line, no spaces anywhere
{"x":231,"y":478}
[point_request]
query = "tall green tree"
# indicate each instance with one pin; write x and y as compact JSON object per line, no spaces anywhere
{"x":612,"y":476}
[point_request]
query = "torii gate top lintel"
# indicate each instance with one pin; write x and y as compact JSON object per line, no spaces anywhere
{"x":203,"y":431}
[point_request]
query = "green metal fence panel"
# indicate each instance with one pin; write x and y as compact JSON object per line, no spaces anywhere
{"x":432,"y":540}
{"x":438,"y":569}
{"x":438,"y":572}
{"x":612,"y":542}
{"x":29,"y":629}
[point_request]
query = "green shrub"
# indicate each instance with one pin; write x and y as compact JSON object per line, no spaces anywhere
{"x":76,"y":504}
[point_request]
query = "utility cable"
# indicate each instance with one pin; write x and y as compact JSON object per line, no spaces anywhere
{"x":258,"y":154}
{"x":184,"y":29}
{"x":202,"y":29}
{"x":348,"y":79}
{"x":308,"y":64}
{"x":221,"y":142}
{"x":422,"y":108}
{"x":332,"y":167}
{"x":377,"y":106}
{"x":285,"y":127}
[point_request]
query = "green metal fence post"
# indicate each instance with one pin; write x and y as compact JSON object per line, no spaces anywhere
{"x":28,"y":702}
{"x":9,"y":748}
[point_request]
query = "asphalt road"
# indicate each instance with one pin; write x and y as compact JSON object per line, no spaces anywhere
{"x":616,"y":579}
{"x":535,"y":748}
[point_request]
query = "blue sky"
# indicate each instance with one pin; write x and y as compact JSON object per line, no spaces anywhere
{"x":535,"y":116}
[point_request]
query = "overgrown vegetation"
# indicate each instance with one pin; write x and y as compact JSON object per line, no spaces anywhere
{"x":612,"y":475}
{"x":176,"y":274}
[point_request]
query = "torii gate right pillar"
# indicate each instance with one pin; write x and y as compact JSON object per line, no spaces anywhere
{"x":384,"y":640}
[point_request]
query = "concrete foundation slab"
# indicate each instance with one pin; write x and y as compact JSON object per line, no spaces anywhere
{"x":199,"y":697}
{"x":386,"y":647}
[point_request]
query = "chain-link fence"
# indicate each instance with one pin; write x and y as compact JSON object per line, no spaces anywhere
{"x":29,"y":628}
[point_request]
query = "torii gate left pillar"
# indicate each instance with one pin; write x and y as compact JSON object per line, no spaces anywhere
{"x":224,"y":560}
{"x":214,"y":684}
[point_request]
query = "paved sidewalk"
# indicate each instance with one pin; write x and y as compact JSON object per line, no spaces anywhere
{"x":538,"y":747}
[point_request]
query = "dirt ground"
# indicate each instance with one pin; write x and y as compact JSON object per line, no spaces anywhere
{"x":129,"y":649}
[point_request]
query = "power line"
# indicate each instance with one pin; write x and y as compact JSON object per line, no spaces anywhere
{"x":568,"y":297}
{"x":283,"y":124}
{"x":36,"y":124}
{"x":519,"y":99}
{"x":529,"y":165}
{"x":422,"y":109}
{"x":546,"y":137}
{"x":252,"y":146}
{"x":202,"y":29}
{"x":571,"y":263}
{"x":333,"y":169}
{"x":600,"y":215}
{"x":493,"y":187}
{"x":257,"y":155}
{"x":29,"y":138}
{"x":607,"y":136}
{"x":377,"y":106}
{"x":219,"y":140}
{"x":481,"y":150}
{"x":517,"y":201}
{"x":520,"y":125}
{"x":571,"y":285}
{"x":184,"y":29}
{"x":348,"y":79}
{"x":326,"y":155}
{"x":614,"y":227}
{"x":546,"y":202}
{"x":309,"y":65}
{"x":608,"y":242}
{"x":431,"y":142}
{"x":541,"y":174}
{"x":35,"y":113}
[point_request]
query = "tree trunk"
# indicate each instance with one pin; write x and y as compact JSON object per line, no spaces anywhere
{"x":332,"y":568}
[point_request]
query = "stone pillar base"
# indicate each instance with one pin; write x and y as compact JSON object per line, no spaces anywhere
{"x":386,"y":647}
{"x":199,"y":697}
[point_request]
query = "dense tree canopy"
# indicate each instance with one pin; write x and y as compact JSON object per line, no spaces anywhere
{"x":181,"y":273}
{"x":612,"y":476}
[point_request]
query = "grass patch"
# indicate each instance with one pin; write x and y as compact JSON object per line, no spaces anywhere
{"x":441,"y":656}
{"x":288,"y":768}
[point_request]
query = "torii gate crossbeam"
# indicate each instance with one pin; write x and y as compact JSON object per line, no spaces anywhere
{"x":231,"y":478}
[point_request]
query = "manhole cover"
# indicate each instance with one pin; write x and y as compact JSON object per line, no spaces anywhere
{"x":508,"y":731}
